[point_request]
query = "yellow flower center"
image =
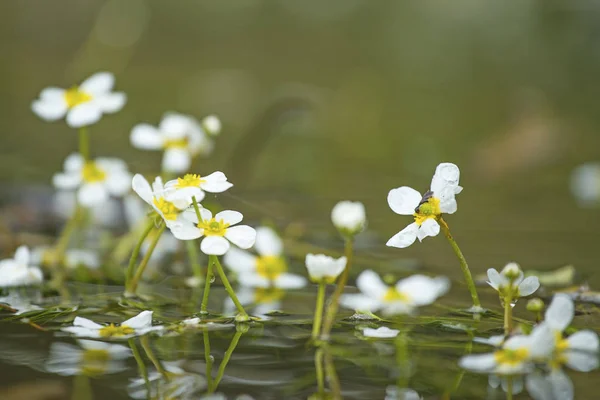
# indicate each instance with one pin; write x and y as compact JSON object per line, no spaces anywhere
{"x":428,"y":209}
{"x":511,"y":357}
{"x":189,"y":180}
{"x":116,"y":331}
{"x":213,"y":227}
{"x":392,"y":295}
{"x":270,"y":267}
{"x":168,"y":209}
{"x":270,"y":295}
{"x":94,"y":362}
{"x":92,"y":173}
{"x":75,"y":97}
{"x":181,"y":143}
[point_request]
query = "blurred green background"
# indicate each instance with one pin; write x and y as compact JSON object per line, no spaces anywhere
{"x":329,"y":100}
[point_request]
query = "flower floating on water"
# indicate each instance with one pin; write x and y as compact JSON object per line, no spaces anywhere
{"x":322,"y":268}
{"x":170,"y":211}
{"x":180,"y":136}
{"x":93,"y":358}
{"x":382,"y":332}
{"x":510,"y":282}
{"x":268,"y":269}
{"x":195,"y":185}
{"x":17,"y":271}
{"x":426,"y":209}
{"x":94,"y":180}
{"x":349,"y":217}
{"x":218,"y":231}
{"x":84,"y":104}
{"x":136,"y":326}
{"x":403,"y":298}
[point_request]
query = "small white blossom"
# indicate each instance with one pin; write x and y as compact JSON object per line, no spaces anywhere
{"x":180,"y":136}
{"x":195,"y":185}
{"x":403,"y":298}
{"x":93,"y":358}
{"x":212,"y":125}
{"x":322,"y":268}
{"x":426,"y":209}
{"x":17,"y":271}
{"x":511,"y":281}
{"x":383,"y":332}
{"x":136,"y":326}
{"x":349,"y":217}
{"x":268,"y":269}
{"x":94,"y":180}
{"x":585,"y":184}
{"x":217,"y":231}
{"x":170,"y":211}
{"x":84,"y":104}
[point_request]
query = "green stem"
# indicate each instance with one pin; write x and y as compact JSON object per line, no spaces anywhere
{"x":196,"y":208}
{"x":82,"y":390}
{"x":209,"y":277}
{"x":84,"y":143}
{"x":243,"y":316}
{"x":136,"y":252}
{"x":150,"y":354}
{"x":507,"y":315}
{"x":402,"y":359}
{"x":140,"y":363}
{"x":333,"y":306}
{"x":58,"y":259}
{"x":509,"y":388}
{"x":223,"y":365}
{"x":207,"y":359}
{"x":130,"y":290}
{"x":463,"y":262}
{"x":192,"y":249}
{"x":319,"y":310}
{"x":332,"y":377}
{"x":319,"y":372}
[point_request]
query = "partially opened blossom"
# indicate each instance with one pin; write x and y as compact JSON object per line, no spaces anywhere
{"x":322,"y":268}
{"x":217,"y":231}
{"x":195,"y":185}
{"x":403,"y":298}
{"x":93,"y":358}
{"x":18,"y":271}
{"x":268,"y":268}
{"x":94,"y":180}
{"x":426,"y":209}
{"x":211,"y":124}
{"x":180,"y":136}
{"x":170,"y":211}
{"x":511,"y":282}
{"x":136,"y":326}
{"x":82,"y":105}
{"x":349,"y":217}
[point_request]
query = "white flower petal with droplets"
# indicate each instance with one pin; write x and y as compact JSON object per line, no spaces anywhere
{"x":405,"y":237}
{"x":429,"y":227}
{"x":560,"y":312}
{"x":529,"y":286}
{"x":268,"y":242}
{"x":83,"y":114}
{"x":448,"y":205}
{"x":214,"y":245}
{"x":446,"y":175}
{"x":176,"y":160}
{"x":242,"y":236}
{"x":146,"y":137}
{"x":239,"y":261}
{"x":382,"y":332}
{"x":404,"y":200}
{"x":229,"y":217}
{"x":289,"y":281}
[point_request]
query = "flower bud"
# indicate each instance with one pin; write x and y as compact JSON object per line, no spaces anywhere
{"x":512,"y":271}
{"x":349,"y":217}
{"x":212,"y":125}
{"x":535,"y":305}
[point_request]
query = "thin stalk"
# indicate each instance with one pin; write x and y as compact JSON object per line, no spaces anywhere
{"x":196,"y":208}
{"x":209,"y":276}
{"x":402,"y":359}
{"x":140,"y":270}
{"x":84,"y":143}
{"x":509,"y":388}
{"x":207,"y":358}
{"x":463,"y":262}
{"x":507,"y":315}
{"x":223,"y":365}
{"x":150,"y":354}
{"x":82,"y":390}
{"x":140,"y":363}
{"x":192,"y":249}
{"x":334,"y":301}
{"x":319,"y":372}
{"x":319,"y":310}
{"x":136,"y":251}
{"x":244,"y":315}
{"x":332,"y":377}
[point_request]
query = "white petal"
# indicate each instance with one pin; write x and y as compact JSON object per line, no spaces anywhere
{"x":581,"y":361}
{"x":82,"y":332}
{"x":93,"y":344}
{"x":83,"y":115}
{"x":542,"y":341}
{"x":22,"y":255}
{"x":585,"y":340}
{"x":111,"y":102}
{"x":405,"y":237}
{"x":290,"y":281}
{"x":175,"y":125}
{"x":560,"y":312}
{"x":422,"y":290}
{"x":239,"y":261}
{"x":359,"y":302}
{"x":253,"y":280}
{"x":229,"y":217}
{"x":185,"y":231}
{"x":382,"y":332}
{"x":214,"y":245}
{"x":86,"y":323}
{"x":141,"y":186}
{"x":215,"y":183}
{"x":529,"y":286}
{"x":142,"y":320}
{"x":320,"y":266}
{"x":562,"y":386}
{"x":99,"y":83}
{"x":479,"y":362}
{"x":495,"y":341}
{"x":118,"y":183}
{"x":74,"y":163}
{"x":92,"y":194}
{"x":446,"y":174}
{"x":66,"y":181}
{"x":539,"y":387}
{"x":176,"y":160}
{"x":495,"y":280}
{"x":369,"y":283}
{"x":146,"y":137}
{"x":50,"y":109}
{"x":448,"y":205}
{"x":404,"y":200}
{"x":53,"y":93}
{"x":268,"y":242}
{"x":429,"y":227}
{"x":242,"y":236}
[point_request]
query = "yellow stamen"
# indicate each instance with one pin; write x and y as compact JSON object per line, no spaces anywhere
{"x":427,"y":210}
{"x":75,"y":97}
{"x":213,"y":227}
{"x":270,"y":267}
{"x":189,"y":180}
{"x":263,"y":295}
{"x":168,"y":209}
{"x":94,"y":362}
{"x":511,"y":357}
{"x":92,"y":173}
{"x":176,"y":143}
{"x":116,"y":331}
{"x":392,"y":295}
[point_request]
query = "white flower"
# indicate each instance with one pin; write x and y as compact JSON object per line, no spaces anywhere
{"x":555,"y":385}
{"x":17,"y":271}
{"x":83,"y":105}
{"x":267,"y":269}
{"x":383,"y":332}
{"x":510,"y":281}
{"x":92,"y":359}
{"x":136,"y":326}
{"x":170,"y":211}
{"x":180,"y":136}
{"x":195,"y":185}
{"x":217,"y":231}
{"x":212,"y":125}
{"x":426,"y":209}
{"x":322,"y":268}
{"x":403,"y":298}
{"x":94,"y":180}
{"x":585,"y":184}
{"x":516,"y":356}
{"x":494,"y":381}
{"x":349,"y":217}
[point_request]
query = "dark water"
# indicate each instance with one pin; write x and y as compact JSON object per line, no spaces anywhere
{"x":320,"y":102}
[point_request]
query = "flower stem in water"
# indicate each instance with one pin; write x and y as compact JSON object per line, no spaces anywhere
{"x":144,"y":263}
{"x":243,"y":316}
{"x":209,"y":277}
{"x":319,"y":310}
{"x":136,"y":252}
